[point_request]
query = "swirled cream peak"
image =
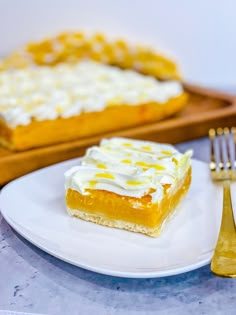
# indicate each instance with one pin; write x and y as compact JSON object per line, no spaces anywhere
{"x":129,"y":168}
{"x":65,"y":90}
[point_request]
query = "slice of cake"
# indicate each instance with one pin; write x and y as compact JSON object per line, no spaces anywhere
{"x":128,"y":184}
{"x":41,"y":106}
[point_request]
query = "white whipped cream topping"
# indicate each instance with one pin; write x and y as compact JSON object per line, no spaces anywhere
{"x":15,"y":116}
{"x":43,"y":93}
{"x":130,"y":168}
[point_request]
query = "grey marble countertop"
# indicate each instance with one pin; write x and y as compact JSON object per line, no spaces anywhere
{"x":33,"y":281}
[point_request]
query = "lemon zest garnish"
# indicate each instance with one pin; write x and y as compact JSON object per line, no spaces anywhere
{"x":146,"y":147}
{"x":58,"y":109}
{"x":127,"y":144}
{"x":105,"y":175}
{"x":126,"y":161}
{"x":166,"y":152}
{"x":156,"y":166}
{"x":92,"y":183}
{"x":175,"y":161}
{"x":134,"y":182}
{"x":100,"y":165}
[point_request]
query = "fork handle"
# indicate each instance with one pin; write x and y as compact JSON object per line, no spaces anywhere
{"x":227,"y":223}
{"x":227,"y":216}
{"x":224,"y":259}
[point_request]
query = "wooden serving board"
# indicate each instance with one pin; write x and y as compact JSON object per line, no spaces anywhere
{"x":205,"y":109}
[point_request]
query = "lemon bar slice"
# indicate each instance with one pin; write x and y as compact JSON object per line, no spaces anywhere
{"x":41,"y":106}
{"x":128,"y":184}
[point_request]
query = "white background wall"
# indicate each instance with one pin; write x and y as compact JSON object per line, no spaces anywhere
{"x":200,"y":34}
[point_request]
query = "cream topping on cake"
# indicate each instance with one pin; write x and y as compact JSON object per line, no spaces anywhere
{"x":65,"y":90}
{"x":129,"y":168}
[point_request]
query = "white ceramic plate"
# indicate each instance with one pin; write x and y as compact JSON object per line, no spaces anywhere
{"x":34,"y":206}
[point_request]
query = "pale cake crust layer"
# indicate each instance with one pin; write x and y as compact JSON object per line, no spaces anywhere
{"x":99,"y":219}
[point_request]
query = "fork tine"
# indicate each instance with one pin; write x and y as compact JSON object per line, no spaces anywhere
{"x":220,"y":132}
{"x":228,"y":151}
{"x":212,"y":134}
{"x":233,"y":130}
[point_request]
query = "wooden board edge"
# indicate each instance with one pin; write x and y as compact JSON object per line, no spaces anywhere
{"x":205,"y":91}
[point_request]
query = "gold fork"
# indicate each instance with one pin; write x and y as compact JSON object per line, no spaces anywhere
{"x":223,"y":169}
